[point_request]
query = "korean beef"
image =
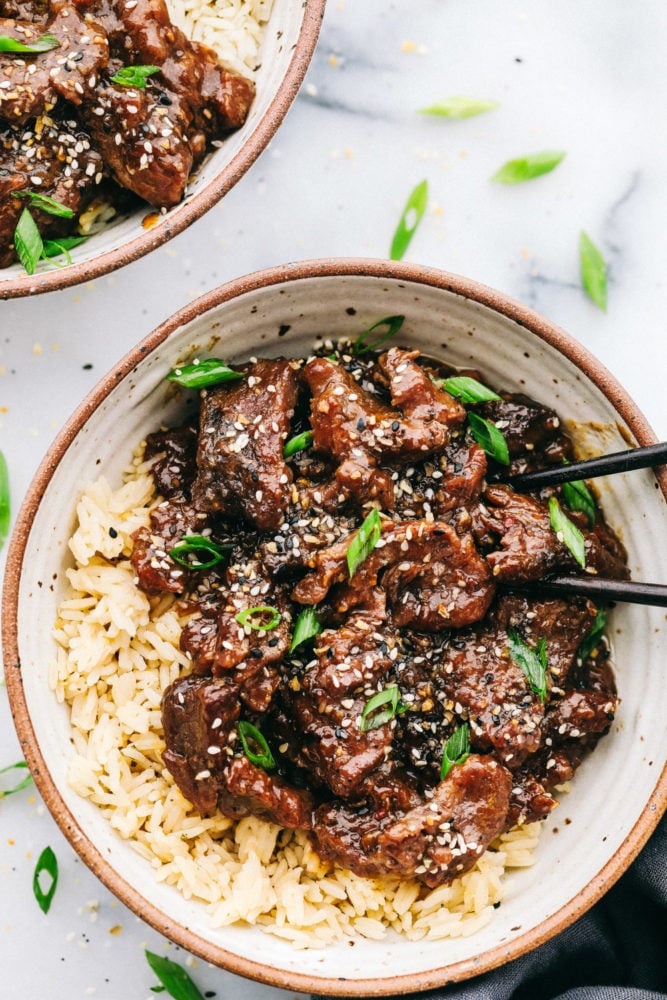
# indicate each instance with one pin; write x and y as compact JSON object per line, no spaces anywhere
{"x":370,"y":659}
{"x":73,"y":131}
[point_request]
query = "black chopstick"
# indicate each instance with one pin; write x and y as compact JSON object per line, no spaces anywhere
{"x":591,"y":468}
{"x":627,"y":591}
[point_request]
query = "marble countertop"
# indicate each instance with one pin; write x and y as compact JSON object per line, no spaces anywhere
{"x":584,"y":78}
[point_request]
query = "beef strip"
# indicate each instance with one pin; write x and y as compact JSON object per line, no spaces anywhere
{"x":532,"y":431}
{"x":54,"y":157}
{"x":434,"y":578}
{"x":358,"y":430}
{"x":199,"y":717}
{"x":437,"y":840}
{"x":171,"y":521}
{"x":31,"y":84}
{"x":243,"y":428}
{"x":530,"y":548}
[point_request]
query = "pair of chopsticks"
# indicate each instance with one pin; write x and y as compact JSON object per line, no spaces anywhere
{"x":591,"y":468}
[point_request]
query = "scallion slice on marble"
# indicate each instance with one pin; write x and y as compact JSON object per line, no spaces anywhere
{"x":459,"y":107}
{"x":47,"y":865}
{"x":173,"y":977}
{"x":410,"y":219}
{"x":525,"y":168}
{"x":593,"y":271}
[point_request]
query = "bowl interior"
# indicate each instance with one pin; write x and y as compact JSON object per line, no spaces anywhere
{"x":594,"y":833}
{"x":288,"y":42}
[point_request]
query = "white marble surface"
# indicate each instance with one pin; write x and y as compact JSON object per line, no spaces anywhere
{"x":586,"y":78}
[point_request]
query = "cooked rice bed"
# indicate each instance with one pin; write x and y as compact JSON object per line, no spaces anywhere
{"x":118,"y":650}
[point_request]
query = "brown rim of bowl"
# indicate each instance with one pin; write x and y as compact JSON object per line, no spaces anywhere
{"x":194,"y":207}
{"x":192,"y":942}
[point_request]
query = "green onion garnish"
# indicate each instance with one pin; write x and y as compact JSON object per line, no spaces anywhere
{"x":134,"y":76}
{"x":45,"y":204}
{"x":44,"y":43}
{"x":28,"y":242}
{"x":298,"y":443}
{"x":23,"y":783}
{"x":47,"y":863}
{"x":459,"y":107}
{"x":364,"y":542}
{"x":264,"y":758}
{"x":410,"y":219}
{"x":185,"y":552}
{"x":305,"y":627}
{"x":375,"y":714}
{"x":173,"y":978}
{"x":524,"y":168}
{"x":533,"y":662}
{"x":245,"y":618}
{"x":578,"y":497}
{"x":455,"y":751}
{"x":200,"y":374}
{"x":592,"y":639}
{"x":53,"y":248}
{"x":5,"y":502}
{"x":567,"y":532}
{"x":593,"y":271}
{"x":393,"y":324}
{"x":489,"y":438}
{"x":468,"y":390}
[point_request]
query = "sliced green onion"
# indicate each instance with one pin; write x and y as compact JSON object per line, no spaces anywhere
{"x":173,"y":977}
{"x":245,"y":618}
{"x":305,"y":627}
{"x":459,"y":107}
{"x":5,"y":502}
{"x":567,"y":532}
{"x":593,"y":271}
{"x":298,"y":443}
{"x":364,"y":542}
{"x":468,"y":390}
{"x":44,"y":43}
{"x":525,"y":168}
{"x":455,"y":751}
{"x":381,"y":708}
{"x":45,"y":204}
{"x":184,"y":553}
{"x":533,"y":662}
{"x":393,"y":324}
{"x":410,"y":219}
{"x":489,"y":438}
{"x":23,"y":783}
{"x":134,"y":76}
{"x":592,"y":639}
{"x":200,"y":374}
{"x":578,"y":497}
{"x":47,"y":863}
{"x":248,"y":732}
{"x":28,"y":242}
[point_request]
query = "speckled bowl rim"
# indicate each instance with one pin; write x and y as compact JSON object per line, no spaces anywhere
{"x":276,"y":276}
{"x":200,"y":202}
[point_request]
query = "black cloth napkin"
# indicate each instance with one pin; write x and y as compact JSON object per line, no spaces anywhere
{"x":616,"y":951}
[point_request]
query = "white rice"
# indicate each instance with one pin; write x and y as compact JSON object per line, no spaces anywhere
{"x":117,"y":651}
{"x":233,"y":28}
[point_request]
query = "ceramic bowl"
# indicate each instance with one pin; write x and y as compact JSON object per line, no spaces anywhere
{"x":287,"y":47}
{"x":619,"y":792}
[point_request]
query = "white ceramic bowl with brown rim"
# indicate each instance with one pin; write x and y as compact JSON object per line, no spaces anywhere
{"x":619,"y":792}
{"x":288,"y":43}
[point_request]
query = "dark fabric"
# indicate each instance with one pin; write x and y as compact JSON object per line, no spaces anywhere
{"x":616,"y":951}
